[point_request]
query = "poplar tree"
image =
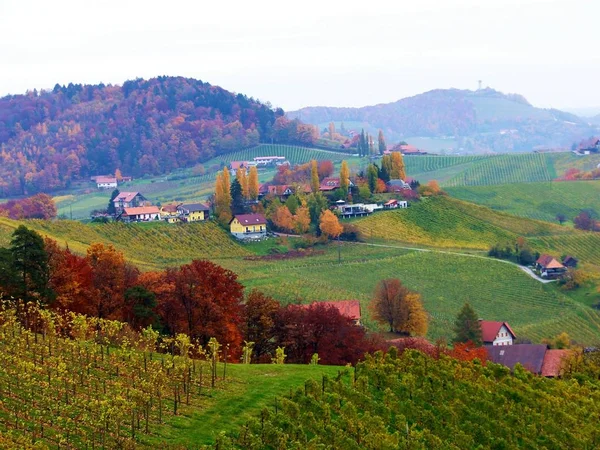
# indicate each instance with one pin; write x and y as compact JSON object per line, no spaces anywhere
{"x":344,"y":177}
{"x":314,"y":176}
{"x":398,"y":168}
{"x":241,"y":177}
{"x":381,"y":141}
{"x":222,"y":199}
{"x":253,"y":186}
{"x":372,"y":177}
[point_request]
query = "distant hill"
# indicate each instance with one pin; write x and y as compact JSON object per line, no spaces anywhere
{"x":49,"y":139}
{"x":478,"y":121}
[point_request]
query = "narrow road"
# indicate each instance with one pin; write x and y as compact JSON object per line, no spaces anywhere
{"x":527,"y":270}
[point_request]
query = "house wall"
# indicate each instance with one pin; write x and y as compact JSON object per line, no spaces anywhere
{"x":107,"y":185}
{"x":504,"y":337}
{"x":237,"y":227}
{"x":196,"y":216}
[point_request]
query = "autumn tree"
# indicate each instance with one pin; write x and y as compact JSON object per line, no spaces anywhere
{"x":399,"y":307}
{"x":283,"y":218}
{"x":301,"y":220}
{"x":118,"y":175}
{"x":331,"y":130}
{"x":314,"y":177}
{"x":206,"y":301}
{"x":253,"y":186}
{"x":325,"y":168}
{"x":381,"y":143}
{"x":372,"y":177}
{"x":330,"y":225}
{"x":259,"y":314}
{"x":241,"y":177}
{"x":467,"y":327}
{"x":344,"y":177}
{"x":584,"y":221}
{"x":108,"y":281}
{"x":398,"y":169}
{"x":223,"y":197}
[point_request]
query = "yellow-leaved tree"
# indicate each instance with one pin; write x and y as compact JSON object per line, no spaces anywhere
{"x":344,"y":177}
{"x":223,"y":198}
{"x":330,"y":225}
{"x":314,"y":176}
{"x":398,"y":168}
{"x":253,"y":185}
{"x":240,"y":175}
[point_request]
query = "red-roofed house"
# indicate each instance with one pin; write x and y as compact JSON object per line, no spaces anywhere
{"x":235,"y":165}
{"x":248,"y":226}
{"x":331,"y":184}
{"x":106,"y":182}
{"x":347,"y":308}
{"x":128,"y":200}
{"x":496,"y":333}
{"x":553,"y":363}
{"x":549,"y":266}
{"x":141,"y":214}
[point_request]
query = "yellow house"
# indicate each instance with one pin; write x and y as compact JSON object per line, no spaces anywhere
{"x":169,"y":213}
{"x":193,"y":212}
{"x":248,"y":226}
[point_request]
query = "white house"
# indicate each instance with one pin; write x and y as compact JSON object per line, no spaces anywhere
{"x":106,"y":182}
{"x":496,"y":333}
{"x":141,"y":214}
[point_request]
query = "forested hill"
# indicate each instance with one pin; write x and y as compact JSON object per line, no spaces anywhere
{"x":483,"y":120}
{"x":50,"y":138}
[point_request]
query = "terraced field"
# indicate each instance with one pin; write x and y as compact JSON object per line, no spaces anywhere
{"x":149,"y":246}
{"x":294,"y":154}
{"x":541,"y":201}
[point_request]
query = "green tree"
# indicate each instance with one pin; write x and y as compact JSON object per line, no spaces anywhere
{"x":372,"y":177}
{"x":467,"y":327}
{"x":381,"y":142}
{"x":237,"y":197}
{"x":386,"y":168}
{"x":30,"y":263}
{"x":317,"y":203}
{"x":292,"y":203}
{"x":141,"y":304}
{"x":111,"y":205}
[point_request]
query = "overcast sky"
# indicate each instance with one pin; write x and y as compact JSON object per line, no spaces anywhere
{"x":306,"y":53}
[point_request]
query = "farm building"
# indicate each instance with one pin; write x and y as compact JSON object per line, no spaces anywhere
{"x":331,"y":184}
{"x":570,"y":261}
{"x":193,"y":212}
{"x":397,"y":185}
{"x":128,"y":200}
{"x":394,"y":204}
{"x":534,"y":357}
{"x":235,"y":165}
{"x":248,"y":226}
{"x":496,"y":333}
{"x":141,"y":214}
{"x":106,"y":182}
{"x":549,"y":267}
{"x":269,"y":160}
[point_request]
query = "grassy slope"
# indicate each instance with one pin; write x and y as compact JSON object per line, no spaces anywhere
{"x":250,"y":389}
{"x":542,"y":201}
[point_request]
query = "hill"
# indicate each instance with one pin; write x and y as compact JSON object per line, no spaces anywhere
{"x":541,"y":201}
{"x":51,"y":138}
{"x":416,"y":401}
{"x":483,"y":120}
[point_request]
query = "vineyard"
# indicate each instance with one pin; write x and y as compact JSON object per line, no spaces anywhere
{"x":293,"y":153}
{"x":415,"y":401}
{"x":112,"y":388}
{"x":541,"y":201}
{"x":445,"y":222}
{"x":497,"y":290}
{"x":149,"y":245}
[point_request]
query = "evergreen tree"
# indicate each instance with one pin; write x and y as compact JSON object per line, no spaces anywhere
{"x":237,"y":198}
{"x":467,"y":327}
{"x":30,"y":263}
{"x":111,"y":205}
{"x":362,"y":144}
{"x":381,"y":142}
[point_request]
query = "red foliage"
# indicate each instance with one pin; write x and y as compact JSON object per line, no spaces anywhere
{"x":324,"y":169}
{"x":468,"y":352}
{"x":39,"y":206}
{"x":323,"y":330}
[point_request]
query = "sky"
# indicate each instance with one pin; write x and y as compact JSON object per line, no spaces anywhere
{"x":310,"y":53}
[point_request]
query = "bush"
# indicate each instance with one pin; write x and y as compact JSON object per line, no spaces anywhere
{"x":351,"y":233}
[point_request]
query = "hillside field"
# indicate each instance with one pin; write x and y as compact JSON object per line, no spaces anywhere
{"x":541,"y":201}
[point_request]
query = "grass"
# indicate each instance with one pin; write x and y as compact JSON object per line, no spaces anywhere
{"x":249,"y":389}
{"x":541,"y":201}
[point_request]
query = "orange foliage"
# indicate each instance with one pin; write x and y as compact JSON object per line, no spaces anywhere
{"x":330,"y":225}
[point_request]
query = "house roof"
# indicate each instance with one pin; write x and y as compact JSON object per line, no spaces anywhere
{"x":549,"y":262}
{"x":251,"y":219}
{"x":278,"y":189}
{"x":530,"y":356}
{"x":170,"y":208}
{"x":141,"y":210}
{"x":396,"y":183}
{"x":569,"y":259}
{"x":101,"y":179}
{"x":235,"y":165}
{"x":194,"y":207}
{"x":329,"y":184}
{"x":490,"y":329}
{"x":391,"y":202}
{"x":347,"y":308}
{"x":126,"y":196}
{"x":553,"y":362}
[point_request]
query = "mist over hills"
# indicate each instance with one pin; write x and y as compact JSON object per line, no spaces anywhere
{"x":485,"y":120}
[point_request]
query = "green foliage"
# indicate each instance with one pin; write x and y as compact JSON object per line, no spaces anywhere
{"x":279,"y":356}
{"x":467,"y":327}
{"x":414,"y":401}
